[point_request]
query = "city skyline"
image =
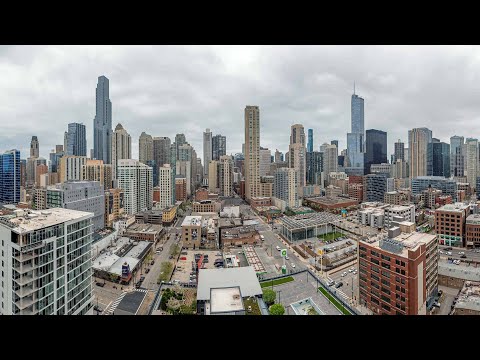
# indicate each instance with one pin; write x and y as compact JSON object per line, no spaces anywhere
{"x":220,"y":80}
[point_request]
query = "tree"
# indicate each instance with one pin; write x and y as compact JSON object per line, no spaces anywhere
{"x":269,"y":296}
{"x":277,"y":309}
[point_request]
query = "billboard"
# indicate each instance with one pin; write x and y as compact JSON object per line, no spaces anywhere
{"x":125,"y":270}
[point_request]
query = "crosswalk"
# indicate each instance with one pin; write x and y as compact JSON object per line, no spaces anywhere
{"x":114,"y":305}
{"x":142,"y":290}
{"x":338,"y":291}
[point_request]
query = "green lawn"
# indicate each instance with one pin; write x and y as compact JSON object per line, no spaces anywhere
{"x":330,"y":236}
{"x":334,"y":301}
{"x":276,"y":281}
{"x":253,"y":303}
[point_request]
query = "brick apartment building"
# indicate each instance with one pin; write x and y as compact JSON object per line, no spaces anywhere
{"x":398,"y":275}
{"x":450,"y":224}
{"x":472,"y":231}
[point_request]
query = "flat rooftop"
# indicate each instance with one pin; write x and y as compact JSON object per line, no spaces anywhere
{"x":243,"y":277}
{"x":226,"y":300}
{"x":473,"y":219}
{"x":461,"y":271}
{"x":401,"y":244}
{"x":192,"y":221}
{"x":469,"y":297}
{"x":457,"y":207}
{"x":145,"y":228}
{"x":38,"y":219}
{"x":324,"y":200}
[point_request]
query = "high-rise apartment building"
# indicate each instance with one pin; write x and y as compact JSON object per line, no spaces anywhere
{"x":330,"y":160}
{"x":376,"y":148}
{"x":285,"y":186}
{"x":296,"y":153}
{"x":471,"y":161}
{"x":114,"y":206}
{"x":265,"y":161}
{"x":23,"y":172}
{"x":399,"y":151}
{"x":180,"y":188}
{"x":145,"y":147}
{"x":457,"y":156}
{"x":71,"y":168}
{"x":96,"y":170}
{"x":310,"y":141}
{"x":252,"y":152}
{"x":355,"y":139}
{"x":102,"y":123}
{"x":41,"y":169}
{"x":10,"y":177}
{"x":87,"y":196}
{"x":374,"y":187}
{"x":136,"y":180}
{"x":183,"y":168}
{"x":121,"y":147}
{"x":225,"y":175}
{"x":41,"y":274}
{"x":165,"y":184}
{"x":161,"y":150}
{"x":213,"y":186}
{"x":76,"y":140}
{"x":278,"y":156}
{"x":219,"y":146}
{"x":418,"y":140}
{"x":207,"y":151}
{"x":438,"y":159}
{"x":398,"y":274}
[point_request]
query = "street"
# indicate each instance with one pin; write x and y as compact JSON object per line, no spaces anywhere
{"x":350,"y":282}
{"x":469,"y":253}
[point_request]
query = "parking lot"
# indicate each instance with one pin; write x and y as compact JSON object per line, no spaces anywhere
{"x":187,"y":257}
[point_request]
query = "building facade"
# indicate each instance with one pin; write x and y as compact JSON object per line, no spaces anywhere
{"x":252,"y":152}
{"x":102,"y":123}
{"x":76,"y":140}
{"x":136,"y":180}
{"x":10,"y":177}
{"x":418,"y":140}
{"x":121,"y":147}
{"x":376,"y":148}
{"x":165,"y":184}
{"x":145,"y":147}
{"x":285,"y":186}
{"x":450,"y":223}
{"x":438,"y":159}
{"x":96,"y":170}
{"x":296,"y":153}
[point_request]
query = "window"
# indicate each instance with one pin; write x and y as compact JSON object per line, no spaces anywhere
{"x":385,"y":257}
{"x":375,"y":261}
{"x":375,"y":301}
{"x":385,"y":290}
{"x":385,"y":282}
{"x":373,"y":276}
{"x":375,"y":269}
{"x":385,"y":265}
{"x":386,"y":307}
{"x":386,"y":274}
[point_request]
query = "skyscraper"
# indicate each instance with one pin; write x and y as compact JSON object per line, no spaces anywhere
{"x":161,"y":150}
{"x":310,"y":141}
{"x":34,"y":149}
{"x":121,"y":147}
{"x":136,"y":181}
{"x":76,"y":140}
{"x":96,"y":170}
{"x":145,"y":147}
{"x":102,"y":123}
{"x":207,"y":151}
{"x":179,"y":141}
{"x":252,"y":152}
{"x":278,"y":156}
{"x":457,"y":157}
{"x":219,"y":146}
{"x":438,"y":159}
{"x":165,"y":184}
{"x":330,"y":160}
{"x":296,"y":153}
{"x":314,"y":167}
{"x":265,"y":161}
{"x":355,"y":139}
{"x":376,"y":148}
{"x":418,"y":140}
{"x":399,"y":151}
{"x":285,"y":186}
{"x":10,"y":177}
{"x":471,"y":161}
{"x":334,"y":142}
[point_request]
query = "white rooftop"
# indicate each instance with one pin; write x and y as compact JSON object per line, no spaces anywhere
{"x":38,"y":219}
{"x":192,"y":221}
{"x":116,"y":268}
{"x":226,"y":300}
{"x":138,"y":249}
{"x":243,"y":277}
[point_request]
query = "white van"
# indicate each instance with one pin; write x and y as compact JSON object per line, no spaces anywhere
{"x":262,"y":237}
{"x":278,"y":248}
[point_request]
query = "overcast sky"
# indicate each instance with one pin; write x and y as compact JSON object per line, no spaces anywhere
{"x":164,"y":90}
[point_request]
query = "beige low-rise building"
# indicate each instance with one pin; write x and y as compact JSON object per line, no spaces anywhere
{"x":192,"y":232}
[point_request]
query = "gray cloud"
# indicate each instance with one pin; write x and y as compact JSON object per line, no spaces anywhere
{"x":165,"y":90}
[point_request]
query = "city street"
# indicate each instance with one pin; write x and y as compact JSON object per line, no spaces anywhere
{"x":350,"y":282}
{"x":469,"y":253}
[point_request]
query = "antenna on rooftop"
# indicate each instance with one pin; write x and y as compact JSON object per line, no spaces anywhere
{"x":353,"y":87}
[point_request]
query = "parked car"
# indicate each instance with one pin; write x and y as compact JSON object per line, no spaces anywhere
{"x":147,"y":270}
{"x":344,"y":274}
{"x":278,"y":248}
{"x":152,"y":262}
{"x":170,"y":257}
{"x":293,"y":265}
{"x":142,"y":278}
{"x":461,"y":253}
{"x":331,"y":283}
{"x":350,"y":270}
{"x":339,"y":284}
{"x":100,"y":284}
{"x":449,"y":253}
{"x":287,"y":258}
{"x":463,"y":256}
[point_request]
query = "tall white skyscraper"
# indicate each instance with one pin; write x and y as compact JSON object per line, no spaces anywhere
{"x":165,"y":184}
{"x":330,"y":160}
{"x":207,"y":151}
{"x":471,"y":161}
{"x":41,"y":274}
{"x":136,"y":180}
{"x":356,"y":138}
{"x":121,"y":147}
{"x":285,"y":186}
{"x":252,"y":152}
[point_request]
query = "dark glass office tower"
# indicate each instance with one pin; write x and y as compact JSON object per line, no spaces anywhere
{"x":376,"y":148}
{"x":219,"y":147}
{"x":76,"y":140}
{"x":310,"y":141}
{"x":10,"y":177}
{"x":314,"y":162}
{"x":438,"y":159}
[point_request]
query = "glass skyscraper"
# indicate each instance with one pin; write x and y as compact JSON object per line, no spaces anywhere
{"x":10,"y":177}
{"x":355,"y":139}
{"x":310,"y":141}
{"x":102,"y":124}
{"x":376,"y":148}
{"x":438,"y":159}
{"x":76,"y":140}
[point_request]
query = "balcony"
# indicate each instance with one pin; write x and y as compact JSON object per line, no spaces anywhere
{"x":25,"y":302}
{"x":22,"y":269}
{"x":26,"y":290}
{"x":28,"y":311}
{"x":25,"y":256}
{"x":26,"y":279}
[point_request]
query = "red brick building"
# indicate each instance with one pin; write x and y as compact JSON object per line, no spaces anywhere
{"x":443,"y":200}
{"x":355,"y":179}
{"x":355,"y":191}
{"x":450,"y":224}
{"x":180,"y":189}
{"x":472,"y":231}
{"x":260,"y":201}
{"x":398,"y":275}
{"x":156,"y":194}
